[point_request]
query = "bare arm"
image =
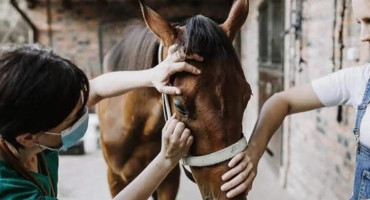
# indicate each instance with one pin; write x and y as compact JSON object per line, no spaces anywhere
{"x":117,"y":83}
{"x":145,"y":184}
{"x":273,"y":113}
{"x":176,"y":141}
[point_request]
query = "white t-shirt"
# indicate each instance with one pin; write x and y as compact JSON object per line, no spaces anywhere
{"x":346,"y":87}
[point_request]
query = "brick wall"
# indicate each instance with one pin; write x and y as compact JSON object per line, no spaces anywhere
{"x":74,"y":32}
{"x":318,"y":151}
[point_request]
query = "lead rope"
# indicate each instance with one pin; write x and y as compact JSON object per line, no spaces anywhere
{"x":168,"y":113}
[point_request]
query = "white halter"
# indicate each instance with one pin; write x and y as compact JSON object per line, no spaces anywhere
{"x":209,"y":159}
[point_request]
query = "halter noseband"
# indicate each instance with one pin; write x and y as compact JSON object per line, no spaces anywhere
{"x":209,"y":159}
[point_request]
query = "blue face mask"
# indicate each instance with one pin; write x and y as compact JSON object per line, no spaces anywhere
{"x":73,"y":134}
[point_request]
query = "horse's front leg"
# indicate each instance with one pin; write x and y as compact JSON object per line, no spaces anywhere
{"x":167,"y":190}
{"x":115,"y":182}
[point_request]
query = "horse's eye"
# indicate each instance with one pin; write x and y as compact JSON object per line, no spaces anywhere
{"x":180,"y":108}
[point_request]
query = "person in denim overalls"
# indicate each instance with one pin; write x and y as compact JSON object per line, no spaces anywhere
{"x":361,"y":189}
{"x":344,"y":87}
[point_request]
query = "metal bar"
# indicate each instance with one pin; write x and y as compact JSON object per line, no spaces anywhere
{"x":101,"y":47}
{"x":27,"y":19}
{"x":50,"y":32}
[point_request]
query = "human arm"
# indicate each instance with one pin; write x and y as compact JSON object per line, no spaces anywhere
{"x":244,"y":166}
{"x":344,"y":87}
{"x":117,"y":83}
{"x":176,"y":141}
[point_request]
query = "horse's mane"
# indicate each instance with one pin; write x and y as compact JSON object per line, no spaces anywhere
{"x":137,"y":49}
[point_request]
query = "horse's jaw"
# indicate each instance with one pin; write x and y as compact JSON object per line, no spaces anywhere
{"x":209,"y":182}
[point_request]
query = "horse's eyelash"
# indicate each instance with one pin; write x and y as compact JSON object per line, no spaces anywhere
{"x":181,"y":108}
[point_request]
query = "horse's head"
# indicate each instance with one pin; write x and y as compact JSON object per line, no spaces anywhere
{"x":211,"y":104}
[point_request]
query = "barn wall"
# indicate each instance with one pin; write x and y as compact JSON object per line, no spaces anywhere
{"x":13,"y":29}
{"x":318,"y":151}
{"x":249,"y":58}
{"x":74,"y":32}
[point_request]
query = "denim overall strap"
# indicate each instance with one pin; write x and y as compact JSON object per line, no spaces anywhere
{"x":361,"y":109}
{"x":361,"y":188}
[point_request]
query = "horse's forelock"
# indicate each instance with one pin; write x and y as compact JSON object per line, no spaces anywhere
{"x":204,"y":37}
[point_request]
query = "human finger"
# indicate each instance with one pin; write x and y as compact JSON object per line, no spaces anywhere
{"x":184,"y":67}
{"x":237,"y":180}
{"x":189,"y":141}
{"x":185,"y":135}
{"x":236,"y":159}
{"x":234,"y":171}
{"x":180,"y":126}
{"x":172,"y":49}
{"x":169,"y":90}
{"x":171,"y":127}
{"x":168,"y":122}
{"x":178,"y":56}
{"x":240,"y":188}
{"x":194,"y":57}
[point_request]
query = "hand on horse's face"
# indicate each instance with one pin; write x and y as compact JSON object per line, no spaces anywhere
{"x":241,"y":175}
{"x":174,"y":63}
{"x":176,"y":140}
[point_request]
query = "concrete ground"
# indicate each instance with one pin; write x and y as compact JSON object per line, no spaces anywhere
{"x":84,"y":177}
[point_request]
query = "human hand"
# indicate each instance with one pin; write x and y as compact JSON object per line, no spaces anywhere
{"x":174,"y":63}
{"x":176,"y":140}
{"x":241,"y":175}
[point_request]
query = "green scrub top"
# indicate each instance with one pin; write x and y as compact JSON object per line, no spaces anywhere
{"x":14,"y":187}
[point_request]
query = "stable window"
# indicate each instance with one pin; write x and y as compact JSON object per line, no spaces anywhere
{"x":271,"y":33}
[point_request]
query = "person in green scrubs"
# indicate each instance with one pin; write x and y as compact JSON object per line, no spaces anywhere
{"x":44,"y":102}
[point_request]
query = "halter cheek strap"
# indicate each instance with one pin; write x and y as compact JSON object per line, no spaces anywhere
{"x":209,"y":159}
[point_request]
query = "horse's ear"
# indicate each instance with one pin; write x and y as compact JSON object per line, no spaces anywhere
{"x":237,"y":16}
{"x":164,"y":30}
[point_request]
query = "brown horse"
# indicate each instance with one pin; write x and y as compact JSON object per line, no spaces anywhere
{"x":211,"y":104}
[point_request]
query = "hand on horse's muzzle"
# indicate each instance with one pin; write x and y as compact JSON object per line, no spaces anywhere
{"x":174,"y":63}
{"x":240,"y":177}
{"x":176,"y":140}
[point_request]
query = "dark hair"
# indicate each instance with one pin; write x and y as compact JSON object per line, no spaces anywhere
{"x":206,"y":38}
{"x":38,"y":90}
